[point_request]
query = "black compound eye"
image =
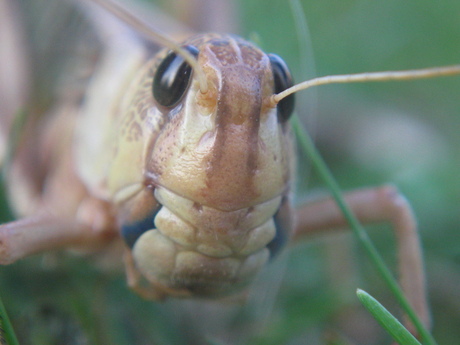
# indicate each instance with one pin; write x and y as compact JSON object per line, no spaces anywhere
{"x":172,"y":78}
{"x":283,"y":80}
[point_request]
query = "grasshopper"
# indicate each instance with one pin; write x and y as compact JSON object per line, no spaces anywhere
{"x":185,"y":159}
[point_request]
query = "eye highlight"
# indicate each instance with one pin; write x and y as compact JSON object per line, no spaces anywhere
{"x":172,"y":78}
{"x":283,"y":80}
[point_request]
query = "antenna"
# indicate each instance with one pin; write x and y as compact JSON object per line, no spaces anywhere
{"x":368,"y":77}
{"x":144,"y":28}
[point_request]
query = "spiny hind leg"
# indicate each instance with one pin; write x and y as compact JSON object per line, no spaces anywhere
{"x":378,"y":204}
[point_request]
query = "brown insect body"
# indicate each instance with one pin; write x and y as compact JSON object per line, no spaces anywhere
{"x":203,"y":178}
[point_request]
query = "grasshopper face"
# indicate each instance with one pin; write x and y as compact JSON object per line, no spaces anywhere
{"x":216,"y":170}
{"x":224,"y":149}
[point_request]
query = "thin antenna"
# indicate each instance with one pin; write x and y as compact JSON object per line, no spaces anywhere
{"x":368,"y":77}
{"x":124,"y":15}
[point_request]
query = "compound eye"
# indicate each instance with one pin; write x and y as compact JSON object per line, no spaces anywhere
{"x":283,"y":80}
{"x":172,"y":78}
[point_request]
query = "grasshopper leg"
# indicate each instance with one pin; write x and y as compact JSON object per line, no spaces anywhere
{"x":371,"y":205}
{"x":45,"y":231}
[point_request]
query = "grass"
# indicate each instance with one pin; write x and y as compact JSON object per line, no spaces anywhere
{"x":62,"y":299}
{"x":307,"y":145}
{"x":397,"y":331}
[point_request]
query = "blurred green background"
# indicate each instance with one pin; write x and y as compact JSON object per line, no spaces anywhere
{"x":404,"y":133}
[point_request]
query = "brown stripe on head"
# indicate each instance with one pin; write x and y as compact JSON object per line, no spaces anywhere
{"x":233,"y":160}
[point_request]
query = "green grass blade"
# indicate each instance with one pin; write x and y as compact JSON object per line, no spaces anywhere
{"x":397,"y":331}
{"x":7,"y":335}
{"x":307,"y":145}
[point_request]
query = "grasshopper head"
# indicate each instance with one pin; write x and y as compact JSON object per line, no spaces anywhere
{"x":225,"y":148}
{"x":217,"y":168}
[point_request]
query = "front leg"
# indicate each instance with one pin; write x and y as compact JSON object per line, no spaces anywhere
{"x":378,"y":204}
{"x":92,"y":227}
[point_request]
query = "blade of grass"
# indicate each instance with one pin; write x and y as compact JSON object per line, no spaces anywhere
{"x":397,"y":331}
{"x":307,"y":145}
{"x":6,"y":329}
